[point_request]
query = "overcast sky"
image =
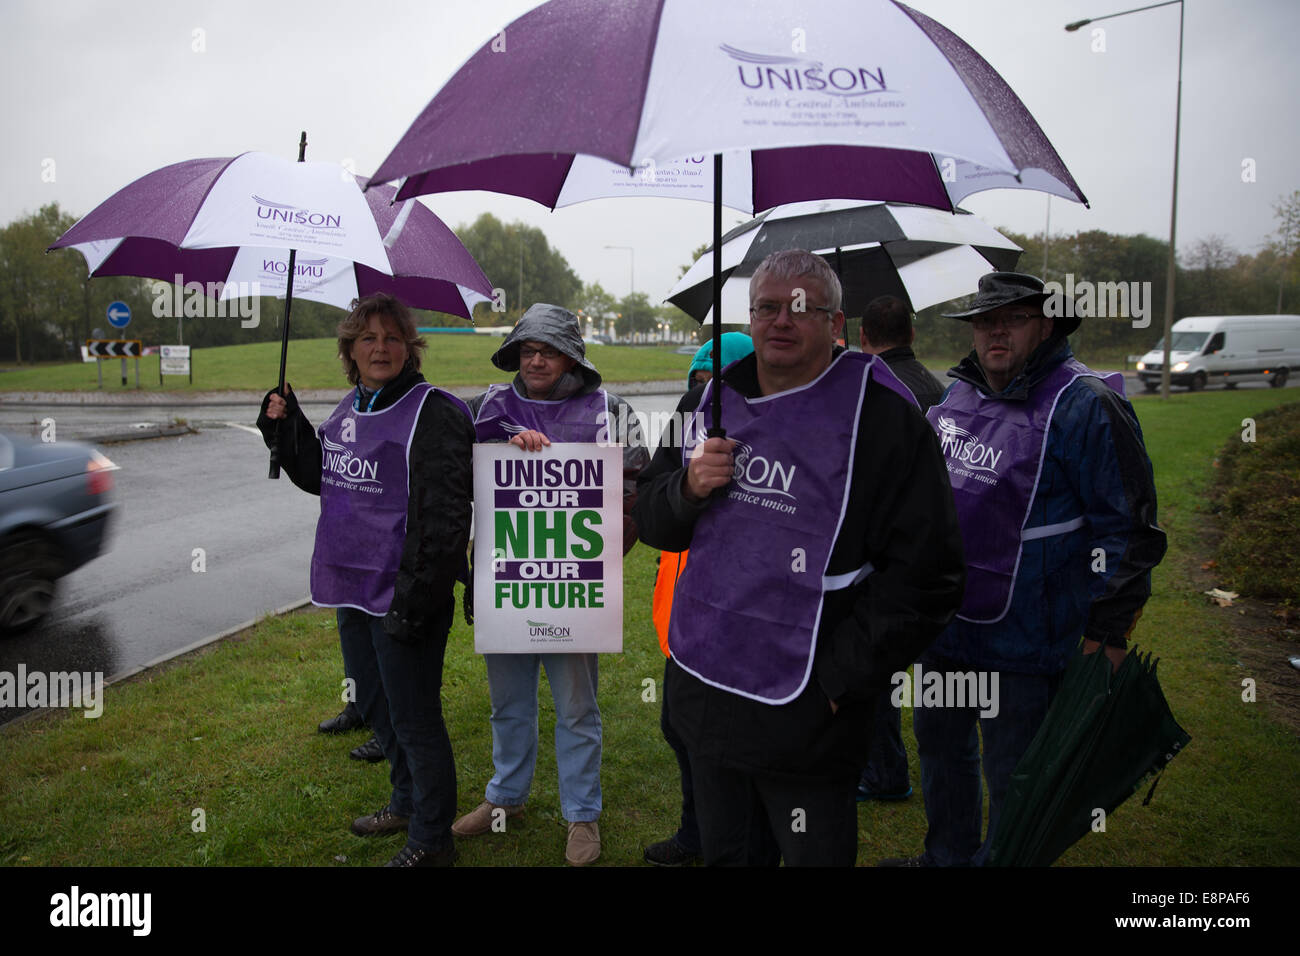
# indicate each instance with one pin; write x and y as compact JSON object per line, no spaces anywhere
{"x":112,"y":89}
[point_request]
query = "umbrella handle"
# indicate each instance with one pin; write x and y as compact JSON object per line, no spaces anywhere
{"x":717,"y":431}
{"x":284,"y":337}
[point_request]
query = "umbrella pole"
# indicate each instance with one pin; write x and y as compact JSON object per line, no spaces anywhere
{"x":284,"y":334}
{"x":717,"y":431}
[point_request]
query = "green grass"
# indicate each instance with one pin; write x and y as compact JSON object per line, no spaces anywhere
{"x":449,"y":360}
{"x":1258,"y":488}
{"x":120,"y":789}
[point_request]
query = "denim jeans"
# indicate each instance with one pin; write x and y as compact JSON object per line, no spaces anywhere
{"x":513,"y":682}
{"x":399,"y":693}
{"x":886,"y":769}
{"x":950,"y":760}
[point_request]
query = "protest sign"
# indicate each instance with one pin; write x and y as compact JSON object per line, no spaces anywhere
{"x":548,"y":549}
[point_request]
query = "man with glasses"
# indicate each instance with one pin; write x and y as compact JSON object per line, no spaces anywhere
{"x":556,"y":396}
{"x":1057,"y":504}
{"x":825,"y":556}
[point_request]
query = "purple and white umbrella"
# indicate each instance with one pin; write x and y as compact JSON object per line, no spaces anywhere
{"x":925,"y":256}
{"x":851,"y":99}
{"x":234,"y":221}
{"x":645,"y":84}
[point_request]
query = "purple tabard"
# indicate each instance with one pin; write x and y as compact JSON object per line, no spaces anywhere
{"x":505,"y":413}
{"x":994,"y":450}
{"x":363,"y":501}
{"x":747,"y":606}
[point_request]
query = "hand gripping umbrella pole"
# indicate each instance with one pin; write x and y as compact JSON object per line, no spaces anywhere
{"x":284,"y":335}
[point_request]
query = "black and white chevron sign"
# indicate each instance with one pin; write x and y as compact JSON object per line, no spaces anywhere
{"x":113,"y":348}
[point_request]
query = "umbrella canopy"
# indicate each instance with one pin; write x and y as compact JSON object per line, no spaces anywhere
{"x":1103,"y":735}
{"x":855,"y":99}
{"x":652,"y":84}
{"x":922,"y":255}
{"x":233,"y":221}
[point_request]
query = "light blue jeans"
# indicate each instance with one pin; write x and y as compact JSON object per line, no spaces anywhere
{"x":513,"y":682}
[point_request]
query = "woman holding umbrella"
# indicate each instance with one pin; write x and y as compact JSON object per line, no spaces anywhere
{"x":392,"y":467}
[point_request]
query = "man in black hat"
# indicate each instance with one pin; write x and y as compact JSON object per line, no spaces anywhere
{"x":1057,"y":506}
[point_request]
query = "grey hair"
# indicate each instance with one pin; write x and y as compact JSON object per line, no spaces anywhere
{"x":797,"y":263}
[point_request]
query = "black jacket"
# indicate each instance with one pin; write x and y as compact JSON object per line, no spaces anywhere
{"x":902,"y":362}
{"x":900,"y":517}
{"x":438,"y":511}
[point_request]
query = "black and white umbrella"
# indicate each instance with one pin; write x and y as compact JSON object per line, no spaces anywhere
{"x":924,"y":256}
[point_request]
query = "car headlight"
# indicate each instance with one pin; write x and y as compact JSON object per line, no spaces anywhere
{"x":1180,"y":367}
{"x":1142,"y":366}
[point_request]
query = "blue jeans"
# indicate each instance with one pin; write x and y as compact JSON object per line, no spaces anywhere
{"x":512,"y":682}
{"x":399,"y":693}
{"x":886,"y":769}
{"x":949,"y":749}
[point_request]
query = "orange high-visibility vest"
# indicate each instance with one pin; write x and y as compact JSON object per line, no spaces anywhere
{"x":671,"y":564}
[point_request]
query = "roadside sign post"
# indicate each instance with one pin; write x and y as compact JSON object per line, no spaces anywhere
{"x":119,"y":316}
{"x":115,"y":348}
{"x":175,"y":360}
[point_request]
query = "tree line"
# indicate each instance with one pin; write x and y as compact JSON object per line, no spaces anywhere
{"x":49,"y":307}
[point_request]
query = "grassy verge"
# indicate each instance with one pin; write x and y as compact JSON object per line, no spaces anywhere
{"x":449,"y":360}
{"x":1258,"y":488}
{"x":230,"y":730}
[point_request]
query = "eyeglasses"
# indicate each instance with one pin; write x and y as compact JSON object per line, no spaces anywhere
{"x":987,"y":322}
{"x":528,"y":354}
{"x":768,"y":311}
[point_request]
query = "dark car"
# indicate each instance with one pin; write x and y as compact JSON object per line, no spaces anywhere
{"x":55,"y":505}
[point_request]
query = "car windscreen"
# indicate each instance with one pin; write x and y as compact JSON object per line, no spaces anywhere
{"x":1183,"y":342}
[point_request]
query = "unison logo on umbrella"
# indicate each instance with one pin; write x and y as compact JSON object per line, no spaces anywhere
{"x":301,"y":267}
{"x":280,"y":212}
{"x":761,"y":71}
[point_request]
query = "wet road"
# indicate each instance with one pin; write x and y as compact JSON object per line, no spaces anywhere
{"x":144,"y":600}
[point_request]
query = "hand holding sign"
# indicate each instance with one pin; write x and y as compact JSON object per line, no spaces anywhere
{"x":530,"y":440}
{"x":710,"y":468}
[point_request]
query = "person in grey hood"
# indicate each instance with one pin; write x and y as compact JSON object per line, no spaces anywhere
{"x":556,"y":396}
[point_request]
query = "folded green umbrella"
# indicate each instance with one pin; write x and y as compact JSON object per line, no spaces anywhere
{"x":1103,"y":735}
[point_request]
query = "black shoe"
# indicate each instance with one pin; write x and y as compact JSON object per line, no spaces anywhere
{"x":905,"y":861}
{"x":370,"y":751}
{"x":348,"y":719}
{"x":414,"y":856}
{"x":380,"y":823}
{"x":670,"y":853}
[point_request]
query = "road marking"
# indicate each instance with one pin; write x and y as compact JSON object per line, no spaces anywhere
{"x":247,"y":428}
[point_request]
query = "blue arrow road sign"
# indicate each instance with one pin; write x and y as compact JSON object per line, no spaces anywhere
{"x":119,"y":314}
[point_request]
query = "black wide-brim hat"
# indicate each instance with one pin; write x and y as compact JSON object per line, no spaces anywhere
{"x":997,"y":289}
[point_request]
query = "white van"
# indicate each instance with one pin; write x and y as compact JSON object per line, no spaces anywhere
{"x":1227,"y":349}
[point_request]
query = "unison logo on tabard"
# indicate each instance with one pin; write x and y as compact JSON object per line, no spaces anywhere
{"x":965,"y":447}
{"x":341,"y":460}
{"x":280,"y":212}
{"x":761,"y":475}
{"x":784,"y":74}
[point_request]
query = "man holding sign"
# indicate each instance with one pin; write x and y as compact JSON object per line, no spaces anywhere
{"x":556,"y":396}
{"x":825,"y":556}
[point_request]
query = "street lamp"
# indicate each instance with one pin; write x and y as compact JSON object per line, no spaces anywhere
{"x":1173,"y":206}
{"x":632,"y":268}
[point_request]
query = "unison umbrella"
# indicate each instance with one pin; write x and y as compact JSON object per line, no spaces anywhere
{"x":257,"y":224}
{"x":922,"y":255}
{"x":788,"y":87}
